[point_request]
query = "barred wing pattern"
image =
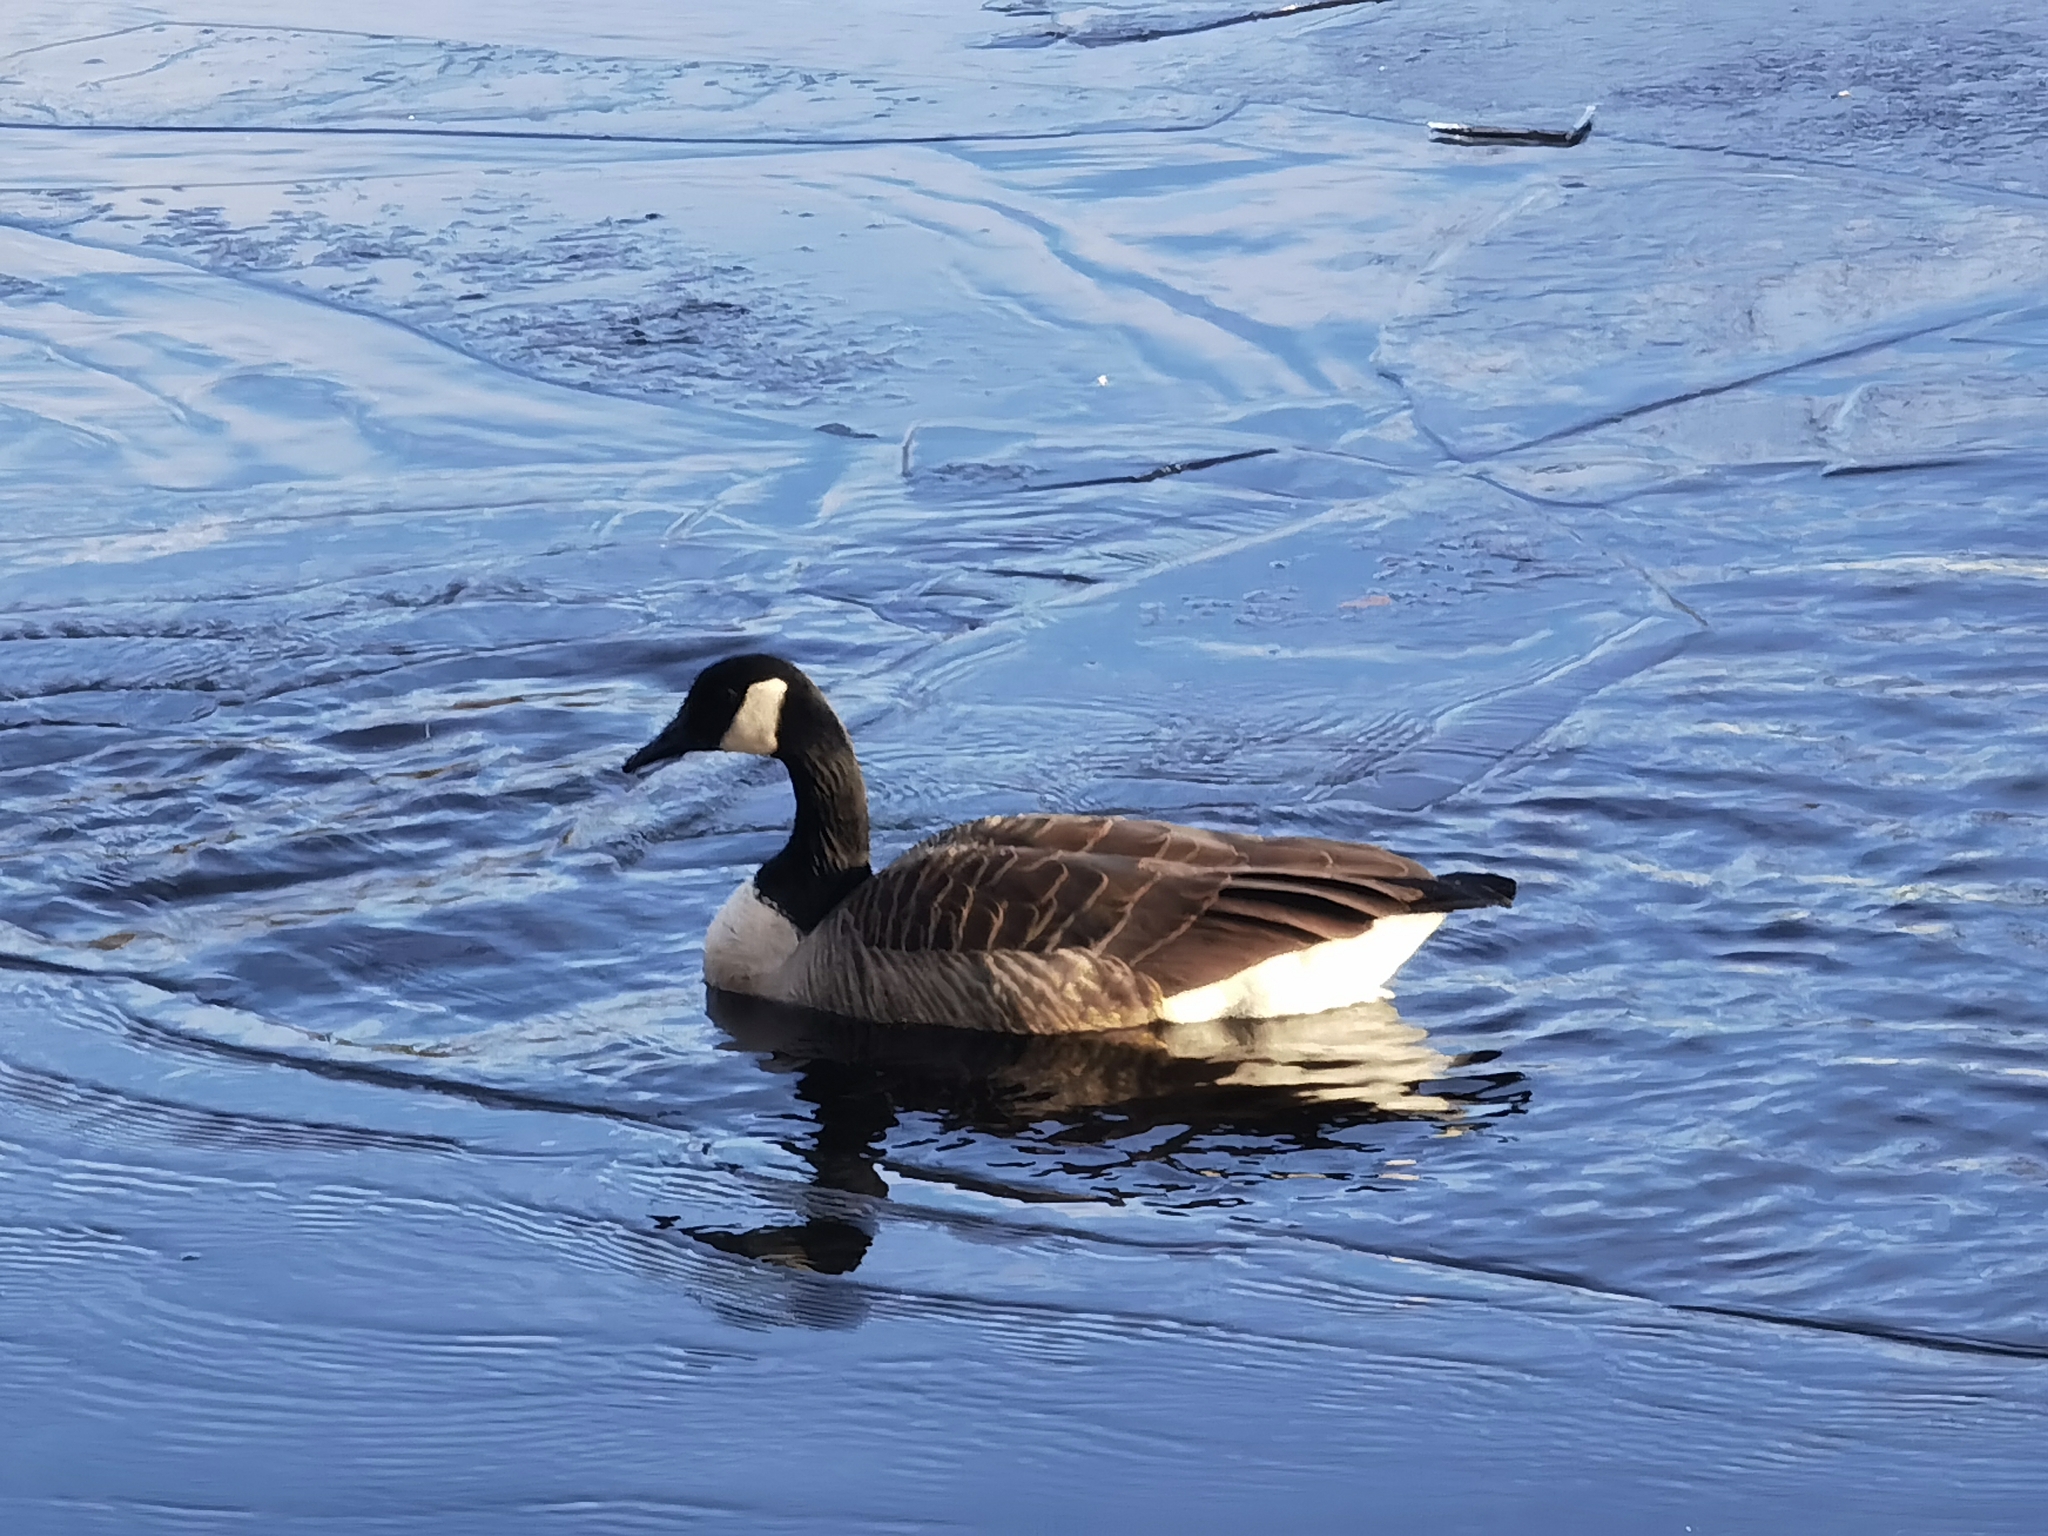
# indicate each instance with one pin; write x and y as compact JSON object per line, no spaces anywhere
{"x":1054,"y":923}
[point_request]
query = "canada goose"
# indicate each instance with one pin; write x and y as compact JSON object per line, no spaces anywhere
{"x":1037,"y":924}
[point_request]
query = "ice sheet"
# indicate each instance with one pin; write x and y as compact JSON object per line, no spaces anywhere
{"x":1117,"y":408}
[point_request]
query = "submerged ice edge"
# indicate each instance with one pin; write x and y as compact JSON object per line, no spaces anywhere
{"x":1211,"y":116}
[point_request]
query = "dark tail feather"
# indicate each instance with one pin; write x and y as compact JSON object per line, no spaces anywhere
{"x":1467,"y":888}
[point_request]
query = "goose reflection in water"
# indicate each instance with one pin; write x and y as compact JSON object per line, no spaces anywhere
{"x":1296,"y":1082}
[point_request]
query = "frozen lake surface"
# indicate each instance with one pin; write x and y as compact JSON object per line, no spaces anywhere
{"x":1123,"y":408}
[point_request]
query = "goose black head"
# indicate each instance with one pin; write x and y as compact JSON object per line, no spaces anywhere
{"x":735,"y":705}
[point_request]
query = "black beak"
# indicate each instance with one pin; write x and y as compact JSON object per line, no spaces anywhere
{"x":664,"y":748}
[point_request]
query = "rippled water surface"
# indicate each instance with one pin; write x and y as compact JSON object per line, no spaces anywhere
{"x":1125,"y":408}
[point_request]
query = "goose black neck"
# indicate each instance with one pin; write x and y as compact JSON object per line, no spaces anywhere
{"x":826,"y":856}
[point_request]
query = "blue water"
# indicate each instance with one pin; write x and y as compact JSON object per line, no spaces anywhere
{"x":391,"y":422}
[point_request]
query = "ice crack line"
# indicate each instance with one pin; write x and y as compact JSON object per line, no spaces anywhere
{"x":574,"y":136}
{"x":1106,"y":34}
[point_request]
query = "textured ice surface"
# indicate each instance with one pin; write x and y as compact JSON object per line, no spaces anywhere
{"x":1122,"y":407}
{"x":182,"y":75}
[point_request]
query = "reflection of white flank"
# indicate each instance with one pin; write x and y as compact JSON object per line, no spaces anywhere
{"x":1365,"y":1054}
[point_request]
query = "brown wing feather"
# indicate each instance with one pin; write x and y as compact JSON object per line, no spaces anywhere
{"x":974,"y":896}
{"x":1131,"y":837}
{"x":1116,"y":836}
{"x":1123,"y":888}
{"x":1146,"y":908}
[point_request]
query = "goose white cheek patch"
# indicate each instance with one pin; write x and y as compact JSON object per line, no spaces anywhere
{"x":754,"y":727}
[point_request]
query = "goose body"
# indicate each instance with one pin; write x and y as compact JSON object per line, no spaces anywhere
{"x":1038,"y":924}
